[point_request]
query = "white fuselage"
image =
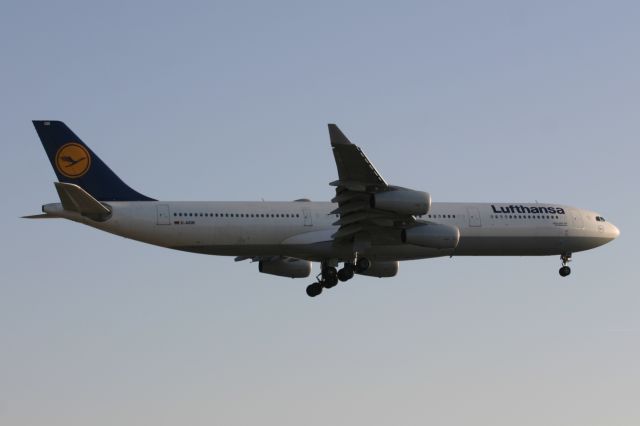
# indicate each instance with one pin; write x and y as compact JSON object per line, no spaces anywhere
{"x":303,"y":229}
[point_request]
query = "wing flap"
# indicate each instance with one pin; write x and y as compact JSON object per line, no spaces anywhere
{"x":361,"y":216}
{"x":348,"y":231}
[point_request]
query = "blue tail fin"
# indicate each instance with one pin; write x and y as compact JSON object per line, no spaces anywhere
{"x":74,"y":162}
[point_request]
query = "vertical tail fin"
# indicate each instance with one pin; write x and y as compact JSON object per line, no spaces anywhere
{"x":75,"y":163}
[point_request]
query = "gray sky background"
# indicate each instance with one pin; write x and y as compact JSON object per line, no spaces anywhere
{"x":471,"y":101}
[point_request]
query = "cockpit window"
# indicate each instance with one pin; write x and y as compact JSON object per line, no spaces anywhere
{"x":600,"y":219}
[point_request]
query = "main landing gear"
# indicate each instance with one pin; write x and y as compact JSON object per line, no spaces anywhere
{"x":330,"y":276}
{"x":565,"y":270}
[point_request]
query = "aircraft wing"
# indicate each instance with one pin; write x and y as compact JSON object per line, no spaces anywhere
{"x":355,"y":171}
{"x":358,"y":182}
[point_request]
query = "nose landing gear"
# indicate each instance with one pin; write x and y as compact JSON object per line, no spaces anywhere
{"x":565,"y":270}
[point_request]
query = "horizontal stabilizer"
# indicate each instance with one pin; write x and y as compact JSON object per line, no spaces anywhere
{"x":39,"y":216}
{"x":76,"y":199}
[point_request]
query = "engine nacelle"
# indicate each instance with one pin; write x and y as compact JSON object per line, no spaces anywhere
{"x":434,"y":235}
{"x":291,"y":268}
{"x":382,"y":269}
{"x":402,"y":201}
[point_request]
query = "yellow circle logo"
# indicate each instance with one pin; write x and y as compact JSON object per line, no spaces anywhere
{"x":73,"y":160}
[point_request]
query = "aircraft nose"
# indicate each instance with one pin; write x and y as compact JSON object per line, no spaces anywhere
{"x":614,"y":231}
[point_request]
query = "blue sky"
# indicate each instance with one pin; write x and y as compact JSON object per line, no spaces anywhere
{"x":471,"y":101}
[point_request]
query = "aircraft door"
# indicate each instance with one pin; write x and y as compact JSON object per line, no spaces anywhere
{"x":306,"y":214}
{"x":474,"y":216}
{"x":576,"y":219}
{"x":162,"y":212}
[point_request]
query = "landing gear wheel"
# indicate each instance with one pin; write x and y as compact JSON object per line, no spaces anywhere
{"x":329,"y":277}
{"x":330,"y":282}
{"x":314,"y":289}
{"x":328,"y":272}
{"x":346,"y":273}
{"x":564,"y":271}
{"x":362,"y":264}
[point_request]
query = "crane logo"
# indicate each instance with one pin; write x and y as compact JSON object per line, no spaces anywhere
{"x":73,"y":160}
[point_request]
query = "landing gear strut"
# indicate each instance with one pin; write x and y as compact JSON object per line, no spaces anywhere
{"x":565,"y":270}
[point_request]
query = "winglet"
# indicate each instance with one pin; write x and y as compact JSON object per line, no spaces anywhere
{"x":337,"y":137}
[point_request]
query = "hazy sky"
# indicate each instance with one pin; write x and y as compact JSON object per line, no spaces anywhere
{"x":471,"y":101}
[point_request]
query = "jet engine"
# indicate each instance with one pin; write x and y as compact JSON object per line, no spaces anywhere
{"x":382,"y":269}
{"x":292,"y":268}
{"x":434,"y":235}
{"x":402,"y":201}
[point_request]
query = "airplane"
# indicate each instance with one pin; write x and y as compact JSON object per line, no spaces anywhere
{"x":368,"y":227}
